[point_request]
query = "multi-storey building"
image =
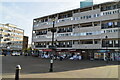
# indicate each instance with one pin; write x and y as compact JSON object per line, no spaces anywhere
{"x":11,"y":37}
{"x":88,"y":31}
{"x":25,"y":42}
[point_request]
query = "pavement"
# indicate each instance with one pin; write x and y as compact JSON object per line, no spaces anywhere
{"x":99,"y":72}
{"x":73,"y":69}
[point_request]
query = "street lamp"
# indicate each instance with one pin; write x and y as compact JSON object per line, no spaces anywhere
{"x":106,"y":37}
{"x":53,"y":30}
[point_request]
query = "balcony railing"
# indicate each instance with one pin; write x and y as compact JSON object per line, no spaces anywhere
{"x":86,"y":46}
{"x":50,"y":23}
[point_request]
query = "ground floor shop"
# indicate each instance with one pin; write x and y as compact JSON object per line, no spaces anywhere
{"x":9,"y":51}
{"x":111,"y":55}
{"x":86,"y":54}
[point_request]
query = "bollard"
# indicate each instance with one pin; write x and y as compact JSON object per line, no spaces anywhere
{"x":18,"y":67}
{"x":51,"y":65}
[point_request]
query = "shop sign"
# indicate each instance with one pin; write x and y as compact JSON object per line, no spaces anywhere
{"x":58,"y":49}
{"x":102,"y":51}
{"x":72,"y":50}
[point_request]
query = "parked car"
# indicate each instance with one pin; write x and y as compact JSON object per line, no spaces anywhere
{"x":25,"y":54}
{"x":35,"y":54}
{"x":15,"y":54}
{"x":76,"y":57}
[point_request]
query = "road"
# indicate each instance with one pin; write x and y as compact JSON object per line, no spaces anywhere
{"x":37,"y":67}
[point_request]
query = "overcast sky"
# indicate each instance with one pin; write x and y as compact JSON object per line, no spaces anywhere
{"x":22,"y":12}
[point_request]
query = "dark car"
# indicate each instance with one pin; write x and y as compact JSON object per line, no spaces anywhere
{"x":35,"y":54}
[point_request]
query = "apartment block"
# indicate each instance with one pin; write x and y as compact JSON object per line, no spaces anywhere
{"x":91,"y":31}
{"x":11,"y":37}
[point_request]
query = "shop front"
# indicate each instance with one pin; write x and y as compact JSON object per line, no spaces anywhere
{"x":116,"y":55}
{"x":103,"y":55}
{"x":67,"y":52}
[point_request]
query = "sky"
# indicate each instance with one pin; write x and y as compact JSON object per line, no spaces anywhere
{"x":22,"y":12}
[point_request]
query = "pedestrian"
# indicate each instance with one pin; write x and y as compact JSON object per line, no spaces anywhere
{"x":61,"y":58}
{"x":80,"y":57}
{"x":4,"y":53}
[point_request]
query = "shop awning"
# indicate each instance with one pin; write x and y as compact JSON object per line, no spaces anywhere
{"x":67,"y":50}
{"x":47,"y":50}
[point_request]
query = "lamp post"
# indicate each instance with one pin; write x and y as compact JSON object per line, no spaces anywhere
{"x":53,"y":30}
{"x":106,"y":37}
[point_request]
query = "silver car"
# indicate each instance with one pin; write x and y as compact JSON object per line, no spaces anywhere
{"x":15,"y":54}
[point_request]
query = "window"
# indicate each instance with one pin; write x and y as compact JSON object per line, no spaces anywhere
{"x":94,"y":15}
{"x":110,"y":42}
{"x":96,"y":24}
{"x":46,"y":20}
{"x":83,"y":17}
{"x":115,"y":23}
{"x":97,"y":42}
{"x":89,"y":16}
{"x":97,"y":15}
{"x":116,"y":30}
{"x":116,"y":41}
{"x":118,"y":24}
{"x":114,"y":6}
{"x":75,"y":42}
{"x":88,"y":33}
{"x":110,"y":13}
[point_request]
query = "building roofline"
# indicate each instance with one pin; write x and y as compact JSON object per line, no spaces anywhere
{"x":77,"y":9}
{"x":12,"y":25}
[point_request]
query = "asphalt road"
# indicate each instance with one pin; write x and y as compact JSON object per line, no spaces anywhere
{"x":33,"y":65}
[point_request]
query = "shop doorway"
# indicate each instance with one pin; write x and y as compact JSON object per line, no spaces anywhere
{"x":85,"y":55}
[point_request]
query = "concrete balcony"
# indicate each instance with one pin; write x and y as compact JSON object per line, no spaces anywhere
{"x":87,"y":29}
{"x":86,"y":46}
